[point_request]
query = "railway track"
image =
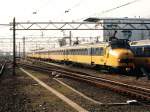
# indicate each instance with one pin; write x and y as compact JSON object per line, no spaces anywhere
{"x":136,"y":92}
{"x":2,"y":68}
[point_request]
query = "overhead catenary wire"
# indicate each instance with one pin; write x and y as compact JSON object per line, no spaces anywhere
{"x":120,"y":6}
{"x":37,"y":10}
{"x":111,"y":9}
{"x":74,"y":6}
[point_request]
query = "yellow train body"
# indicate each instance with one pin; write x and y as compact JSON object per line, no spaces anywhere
{"x":101,"y":54}
{"x":142,"y":56}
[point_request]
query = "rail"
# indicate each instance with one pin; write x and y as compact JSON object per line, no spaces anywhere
{"x":139,"y":93}
{"x":2,"y":68}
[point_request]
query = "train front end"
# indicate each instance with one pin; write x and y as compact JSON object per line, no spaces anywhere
{"x":120,"y":55}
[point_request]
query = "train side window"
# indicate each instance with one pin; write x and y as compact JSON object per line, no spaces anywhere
{"x":147,"y":51}
{"x":93,"y":51}
{"x":80,"y":51}
{"x":72,"y":51}
{"x":76,"y":52}
{"x":97,"y":51}
{"x":101,"y":51}
{"x":85,"y":52}
{"x":138,"y":51}
{"x":69,"y":51}
{"x":89,"y":51}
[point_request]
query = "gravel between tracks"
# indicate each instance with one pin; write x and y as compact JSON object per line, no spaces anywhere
{"x":142,"y":82}
{"x":104,"y":96}
{"x":21,"y":94}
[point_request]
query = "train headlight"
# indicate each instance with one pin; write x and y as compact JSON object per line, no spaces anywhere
{"x":119,"y":60}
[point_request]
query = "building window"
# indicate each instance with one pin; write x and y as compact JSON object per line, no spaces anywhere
{"x":127,"y":34}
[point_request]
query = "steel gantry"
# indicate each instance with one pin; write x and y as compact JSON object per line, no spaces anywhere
{"x":88,"y":24}
{"x":85,"y":25}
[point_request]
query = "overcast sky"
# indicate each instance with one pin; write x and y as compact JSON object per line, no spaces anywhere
{"x":68,"y":10}
{"x":55,"y":9}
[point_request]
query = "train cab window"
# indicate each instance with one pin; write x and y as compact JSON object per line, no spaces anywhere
{"x":119,"y":43}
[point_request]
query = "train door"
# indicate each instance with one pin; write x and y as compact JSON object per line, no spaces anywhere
{"x":65,"y":54}
{"x":106,"y":55}
{"x":92,"y":55}
{"x":98,"y":55}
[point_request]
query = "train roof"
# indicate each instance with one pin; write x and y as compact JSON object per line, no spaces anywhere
{"x":140,"y":43}
{"x":87,"y":45}
{"x":96,"y":19}
{"x":100,"y":44}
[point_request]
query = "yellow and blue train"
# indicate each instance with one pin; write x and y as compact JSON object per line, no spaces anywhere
{"x":141,"y":50}
{"x":115,"y":54}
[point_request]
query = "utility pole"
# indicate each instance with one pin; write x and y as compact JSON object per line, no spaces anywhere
{"x":19,"y":49}
{"x":14,"y":47}
{"x":23,"y":47}
{"x":70,"y":35}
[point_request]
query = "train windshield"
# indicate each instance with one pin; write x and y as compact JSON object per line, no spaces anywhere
{"x":119,"y":43}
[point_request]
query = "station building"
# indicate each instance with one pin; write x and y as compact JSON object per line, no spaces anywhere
{"x":133,"y":29}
